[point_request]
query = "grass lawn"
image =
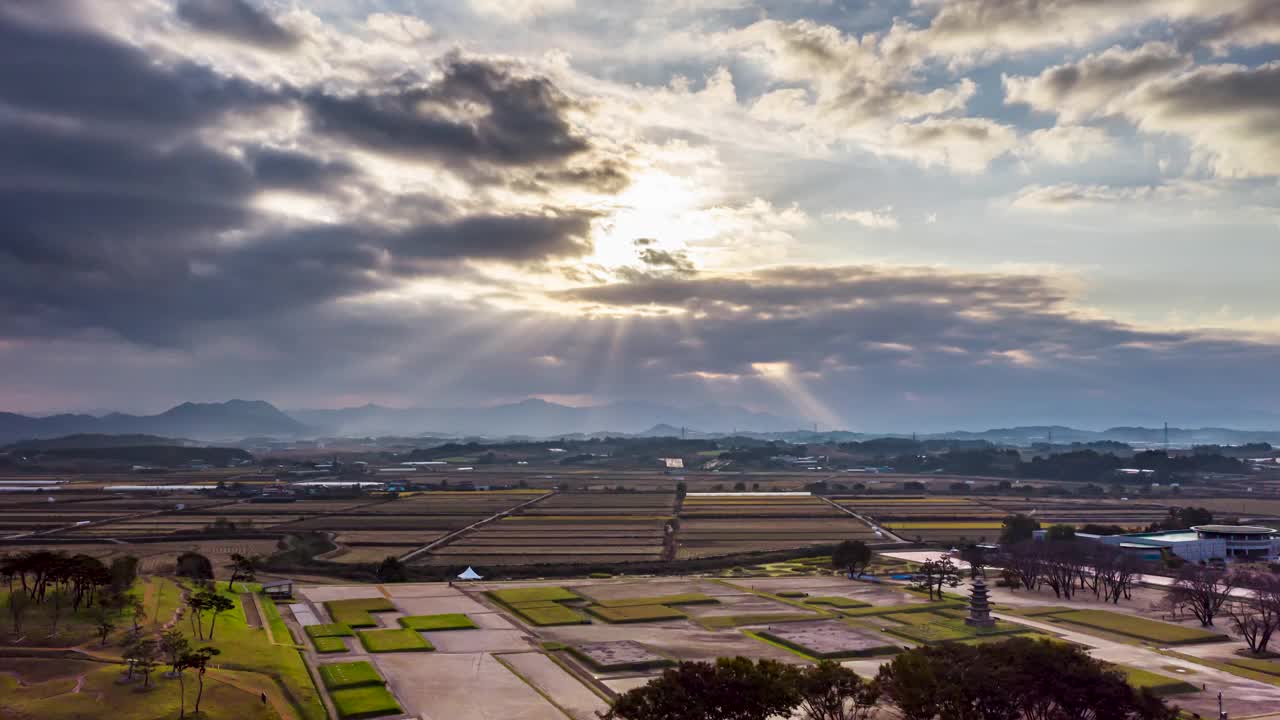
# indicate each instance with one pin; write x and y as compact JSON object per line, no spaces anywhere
{"x":1138,"y":627}
{"x":535,"y":604}
{"x":47,"y":694}
{"x":1155,"y":682}
{"x":951,"y":630}
{"x":355,"y":613}
{"x":1270,"y":667}
{"x":636,"y":613}
{"x":531,"y":594}
{"x":365,"y":702}
{"x":1037,"y":610}
{"x":792,"y":594}
{"x":899,"y":609}
{"x":349,"y":674}
{"x":719,"y":622}
{"x":378,"y":641}
{"x":920,"y":618}
{"x":330,"y":630}
{"x":329,"y":644}
{"x":835,"y":601}
{"x":681,"y":599}
{"x":279,"y":630}
{"x":448,"y":621}
{"x":249,"y":649}
{"x":553,"y":615}
{"x":38,"y":626}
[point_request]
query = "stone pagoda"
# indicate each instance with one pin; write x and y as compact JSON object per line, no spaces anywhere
{"x":979,"y":605}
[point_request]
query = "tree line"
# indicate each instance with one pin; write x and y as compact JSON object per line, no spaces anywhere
{"x":1020,"y":678}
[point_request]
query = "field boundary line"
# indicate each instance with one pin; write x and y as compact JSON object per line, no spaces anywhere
{"x":545,"y":695}
{"x":442,"y":541}
{"x":869,"y":524}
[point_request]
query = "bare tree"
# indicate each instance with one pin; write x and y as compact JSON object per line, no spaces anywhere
{"x":939,"y":573}
{"x":1202,"y":591}
{"x":1258,"y":617}
{"x":1026,"y":559}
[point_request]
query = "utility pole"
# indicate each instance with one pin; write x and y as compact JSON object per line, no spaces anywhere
{"x":1166,"y":437}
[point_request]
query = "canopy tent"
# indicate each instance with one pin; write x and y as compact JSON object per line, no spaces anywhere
{"x":468,"y":574}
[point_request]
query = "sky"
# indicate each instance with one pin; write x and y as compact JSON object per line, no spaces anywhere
{"x":888,"y":214}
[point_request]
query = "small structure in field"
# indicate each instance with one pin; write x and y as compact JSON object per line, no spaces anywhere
{"x":979,"y":605}
{"x":278,"y":590}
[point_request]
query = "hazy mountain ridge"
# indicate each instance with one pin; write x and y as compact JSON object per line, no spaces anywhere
{"x":205,"y":421}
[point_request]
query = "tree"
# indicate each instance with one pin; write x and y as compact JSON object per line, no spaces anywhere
{"x":851,"y":555}
{"x":173,"y":644}
{"x":243,"y":569}
{"x":142,"y":657}
{"x":217,"y":604}
{"x":830,"y":691}
{"x":1060,"y":532}
{"x":1256,"y":618}
{"x":1018,"y":678}
{"x":938,"y":573}
{"x":197,"y":660}
{"x":195,"y":566}
{"x":124,"y":570}
{"x":729,"y":689}
{"x":1017,"y":527}
{"x":1202,"y":591}
{"x":197,"y":604}
{"x":976,"y":556}
{"x":392,"y":570}
{"x":18,"y":604}
{"x":137,"y":611}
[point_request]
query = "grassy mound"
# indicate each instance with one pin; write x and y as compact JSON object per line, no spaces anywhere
{"x":349,"y":674}
{"x":950,"y":630}
{"x":329,"y":644}
{"x":448,"y":621}
{"x":1138,"y":627}
{"x":532,"y":594}
{"x":835,"y":601}
{"x":553,"y":615}
{"x":330,"y":630}
{"x":635,"y":613}
{"x":380,"y":641}
{"x":365,"y":702}
{"x":355,"y":613}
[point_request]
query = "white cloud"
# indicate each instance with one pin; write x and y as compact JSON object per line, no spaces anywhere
{"x":517,"y":10}
{"x":966,"y":145}
{"x":1066,"y":144}
{"x":882,"y":219}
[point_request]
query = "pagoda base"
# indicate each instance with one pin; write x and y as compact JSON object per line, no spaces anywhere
{"x":980,"y":621}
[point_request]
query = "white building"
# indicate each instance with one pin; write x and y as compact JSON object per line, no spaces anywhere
{"x":1200,"y":543}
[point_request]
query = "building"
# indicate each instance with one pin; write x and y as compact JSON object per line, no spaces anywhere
{"x":1201,"y":543}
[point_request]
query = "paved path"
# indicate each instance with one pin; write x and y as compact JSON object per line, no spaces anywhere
{"x":438,"y":542}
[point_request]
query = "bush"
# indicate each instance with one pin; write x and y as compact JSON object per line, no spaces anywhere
{"x":349,"y":674}
{"x":449,"y":621}
{"x":365,"y":702}
{"x":379,"y":641}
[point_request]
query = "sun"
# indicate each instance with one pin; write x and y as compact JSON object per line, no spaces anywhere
{"x":657,"y":206}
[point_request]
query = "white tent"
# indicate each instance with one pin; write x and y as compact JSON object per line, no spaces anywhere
{"x":468,"y":574}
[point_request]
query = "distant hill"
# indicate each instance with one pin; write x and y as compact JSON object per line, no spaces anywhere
{"x":85,"y":441}
{"x":539,"y":418}
{"x":153,"y":455}
{"x":203,"y":421}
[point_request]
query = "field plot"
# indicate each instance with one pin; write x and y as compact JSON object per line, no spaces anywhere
{"x":735,"y":506}
{"x":752,"y":533}
{"x":829,"y":639}
{"x":463,"y":686}
{"x":568,"y":528}
{"x":618,"y":655}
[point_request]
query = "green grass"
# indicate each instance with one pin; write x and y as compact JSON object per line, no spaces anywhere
{"x":1155,"y":682}
{"x":355,"y":613}
{"x":448,"y":621}
{"x":899,"y":609}
{"x":330,"y":630}
{"x":635,"y":613}
{"x":535,"y":604}
{"x":365,"y":702}
{"x":920,"y":618}
{"x":1138,"y":627}
{"x":349,"y":674}
{"x":835,"y":601}
{"x":1037,"y":610}
{"x":720,"y":622}
{"x":793,"y":594}
{"x":246,"y":648}
{"x":531,"y":594}
{"x":554,"y":645}
{"x":951,"y":630}
{"x":279,"y":629}
{"x":329,"y":644}
{"x":681,"y":599}
{"x":553,"y":615}
{"x":1270,"y":667}
{"x":380,"y":641}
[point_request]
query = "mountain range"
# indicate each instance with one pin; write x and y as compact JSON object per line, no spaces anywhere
{"x":534,"y":418}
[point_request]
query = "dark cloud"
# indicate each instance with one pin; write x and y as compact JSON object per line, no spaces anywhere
{"x":298,"y":171}
{"x":237,"y":20}
{"x":476,"y":112}
{"x":1087,"y":86}
{"x":675,"y":260}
